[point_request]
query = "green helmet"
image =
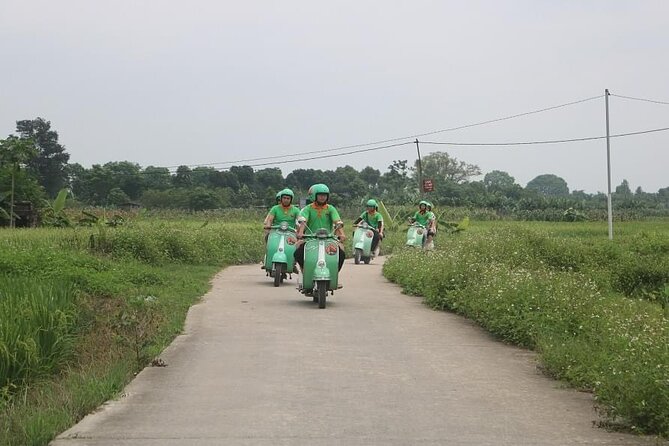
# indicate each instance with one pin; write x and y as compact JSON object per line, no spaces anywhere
{"x":278,"y":196}
{"x":372,"y":204}
{"x":429,"y":206}
{"x":286,"y":191}
{"x":423,"y":202}
{"x":318,"y":189}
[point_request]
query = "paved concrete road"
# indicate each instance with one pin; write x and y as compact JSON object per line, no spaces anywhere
{"x":259,"y":365}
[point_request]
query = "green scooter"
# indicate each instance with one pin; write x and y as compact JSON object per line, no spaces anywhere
{"x":362,"y":243}
{"x":416,"y":235}
{"x":321,"y":266}
{"x":280,"y":252}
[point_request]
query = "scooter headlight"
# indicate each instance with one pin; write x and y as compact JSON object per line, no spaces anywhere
{"x":321,"y":264}
{"x":284,"y":225}
{"x":322,"y":233}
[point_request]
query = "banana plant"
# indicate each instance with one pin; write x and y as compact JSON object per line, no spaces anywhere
{"x":54,"y":213}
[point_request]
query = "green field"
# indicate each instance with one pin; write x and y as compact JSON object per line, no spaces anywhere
{"x":83,"y":309}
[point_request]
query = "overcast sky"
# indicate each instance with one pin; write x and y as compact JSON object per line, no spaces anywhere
{"x":173,"y":82}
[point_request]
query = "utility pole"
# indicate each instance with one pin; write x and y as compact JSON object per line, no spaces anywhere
{"x":420,"y":171}
{"x":11,"y":206}
{"x":608,"y":165}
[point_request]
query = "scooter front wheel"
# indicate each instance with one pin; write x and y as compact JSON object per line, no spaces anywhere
{"x":357,"y":256}
{"x":278,"y":273}
{"x":321,"y":292}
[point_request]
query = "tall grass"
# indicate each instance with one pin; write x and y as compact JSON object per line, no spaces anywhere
{"x":82,"y":309}
{"x":36,"y":321}
{"x":562,"y":297}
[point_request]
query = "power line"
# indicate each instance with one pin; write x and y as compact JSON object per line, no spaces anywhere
{"x":639,"y":99}
{"x":371,"y":149}
{"x":446,"y":143}
{"x":553,"y":141}
{"x":434,"y":132}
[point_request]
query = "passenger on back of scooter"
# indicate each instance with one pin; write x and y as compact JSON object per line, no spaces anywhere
{"x":319,"y":215}
{"x":425,"y":218}
{"x":374,"y":219}
{"x":429,"y":209}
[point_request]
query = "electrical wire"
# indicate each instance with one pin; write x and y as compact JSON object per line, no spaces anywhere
{"x":639,"y":99}
{"x":434,"y":132}
{"x":554,"y":141}
{"x":371,"y":149}
{"x":446,"y":143}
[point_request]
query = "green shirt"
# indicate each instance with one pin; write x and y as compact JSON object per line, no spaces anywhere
{"x":282,"y":214}
{"x":423,"y":219}
{"x":317,"y":217}
{"x":372,"y":220}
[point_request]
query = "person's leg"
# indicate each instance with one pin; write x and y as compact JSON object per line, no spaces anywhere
{"x":428,"y":242}
{"x":375,"y":241}
{"x":299,"y":256}
{"x":342,"y":257}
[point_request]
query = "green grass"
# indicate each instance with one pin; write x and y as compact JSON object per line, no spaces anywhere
{"x":97,"y":304}
{"x":595,"y":310}
{"x":83,"y":309}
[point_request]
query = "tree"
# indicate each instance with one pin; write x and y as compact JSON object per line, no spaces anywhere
{"x":624,"y":189}
{"x":50,"y":161}
{"x":93,"y":185}
{"x":201,"y":199}
{"x":302,"y":179}
{"x":440,"y":167}
{"x":501,"y":183}
{"x":346,"y":182}
{"x":158,"y":178}
{"x":225,"y":179}
{"x":271,"y":178}
{"x":203,"y":176}
{"x":498,"y":180}
{"x":15,"y":152}
{"x":549,"y":184}
{"x":370,"y":176}
{"x":184,"y":177}
{"x":128,"y":177}
{"x":117,"y":197}
{"x":244,"y":174}
{"x":396,"y":184}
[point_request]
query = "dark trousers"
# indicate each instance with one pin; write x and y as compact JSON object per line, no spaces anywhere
{"x":299,"y":257}
{"x":375,"y":240}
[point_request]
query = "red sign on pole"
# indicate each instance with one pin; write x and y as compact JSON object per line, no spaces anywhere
{"x":428,"y":186}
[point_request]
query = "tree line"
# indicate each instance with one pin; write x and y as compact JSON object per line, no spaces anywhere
{"x":34,"y":166}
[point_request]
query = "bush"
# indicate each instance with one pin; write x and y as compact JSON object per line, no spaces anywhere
{"x":550,"y":294}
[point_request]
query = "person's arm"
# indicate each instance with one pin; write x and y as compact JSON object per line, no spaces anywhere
{"x":301,"y":223}
{"x":338,"y":224}
{"x":268,"y":221}
{"x":339,"y":230}
{"x":380,"y":229}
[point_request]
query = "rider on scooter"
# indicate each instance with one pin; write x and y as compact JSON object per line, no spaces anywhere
{"x":375,"y":220}
{"x":426,"y":218}
{"x":319,"y":215}
{"x":283,"y":211}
